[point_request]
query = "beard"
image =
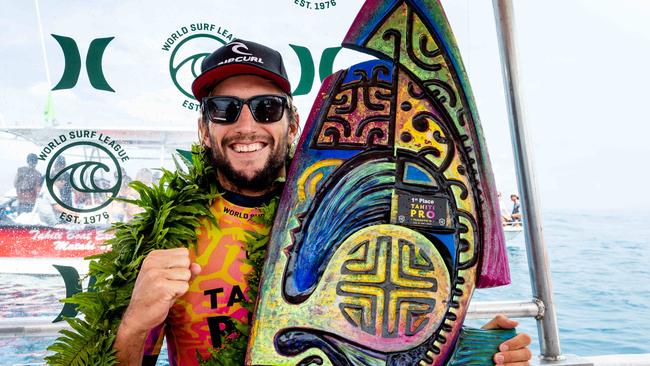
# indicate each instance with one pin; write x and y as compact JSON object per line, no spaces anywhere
{"x":262,"y":179}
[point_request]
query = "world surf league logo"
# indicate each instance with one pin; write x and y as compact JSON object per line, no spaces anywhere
{"x":185,"y":62}
{"x":84,"y":174}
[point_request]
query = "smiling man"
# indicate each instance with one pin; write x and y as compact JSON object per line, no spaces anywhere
{"x":193,"y":297}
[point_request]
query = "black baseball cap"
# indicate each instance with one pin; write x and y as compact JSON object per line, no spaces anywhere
{"x":240,"y":57}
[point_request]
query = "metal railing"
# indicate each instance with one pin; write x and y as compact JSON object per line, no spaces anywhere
{"x":540,"y":274}
{"x":43,"y":326}
{"x":30,"y":327}
{"x":540,"y":277}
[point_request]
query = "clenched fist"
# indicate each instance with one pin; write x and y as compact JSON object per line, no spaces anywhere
{"x":163,"y":278}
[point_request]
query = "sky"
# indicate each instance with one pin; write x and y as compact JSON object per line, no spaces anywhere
{"x":583,"y":72}
{"x":583,"y":77}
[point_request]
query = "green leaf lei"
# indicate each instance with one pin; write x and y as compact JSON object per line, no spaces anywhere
{"x":172,"y":216}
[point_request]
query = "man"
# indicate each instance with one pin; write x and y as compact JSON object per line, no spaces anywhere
{"x":25,"y":182}
{"x":41,"y":212}
{"x":516,"y":208}
{"x":248,"y":124}
{"x":61,"y":188}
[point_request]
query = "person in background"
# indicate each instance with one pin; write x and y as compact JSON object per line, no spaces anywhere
{"x":505,"y":214}
{"x":26,"y":194}
{"x":41,"y":212}
{"x":82,"y":199}
{"x":60,"y":188}
{"x":125,"y":212}
{"x":118,"y":210}
{"x":62,"y":183}
{"x":145,"y":176}
{"x":25,"y":182}
{"x":30,"y":169}
{"x":516,"y":208}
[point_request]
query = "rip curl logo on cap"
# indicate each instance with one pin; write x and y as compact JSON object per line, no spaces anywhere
{"x":242,"y":59}
{"x":236,"y":48}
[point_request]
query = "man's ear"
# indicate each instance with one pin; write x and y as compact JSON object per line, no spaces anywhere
{"x":294,"y":127}
{"x":204,"y":133}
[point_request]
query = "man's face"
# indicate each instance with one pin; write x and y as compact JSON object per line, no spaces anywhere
{"x":247,"y":154}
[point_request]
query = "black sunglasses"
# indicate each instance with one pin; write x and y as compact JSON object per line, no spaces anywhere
{"x":225,"y":110}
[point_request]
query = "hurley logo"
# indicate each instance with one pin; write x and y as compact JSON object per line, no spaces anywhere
{"x":73,"y":63}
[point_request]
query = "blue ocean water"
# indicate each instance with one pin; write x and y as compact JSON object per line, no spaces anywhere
{"x":600,"y":272}
{"x":601,"y":281}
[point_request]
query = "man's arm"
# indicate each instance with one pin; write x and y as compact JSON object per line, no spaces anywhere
{"x":513,"y":352}
{"x":163,"y":278}
{"x":129,"y":345}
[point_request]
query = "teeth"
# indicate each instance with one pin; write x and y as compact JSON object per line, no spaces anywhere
{"x":247,"y":147}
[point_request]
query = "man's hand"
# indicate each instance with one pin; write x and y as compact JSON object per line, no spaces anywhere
{"x":513,"y":352}
{"x":163,"y":278}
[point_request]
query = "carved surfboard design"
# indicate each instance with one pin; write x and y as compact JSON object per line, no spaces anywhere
{"x":388,"y":220}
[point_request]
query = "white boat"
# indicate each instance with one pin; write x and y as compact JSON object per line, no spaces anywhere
{"x":512,"y":231}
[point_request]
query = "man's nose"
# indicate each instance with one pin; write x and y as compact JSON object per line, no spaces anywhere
{"x":246,"y":122}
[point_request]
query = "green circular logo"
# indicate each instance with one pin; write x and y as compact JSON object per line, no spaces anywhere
{"x":98,"y":179}
{"x":185,"y":66}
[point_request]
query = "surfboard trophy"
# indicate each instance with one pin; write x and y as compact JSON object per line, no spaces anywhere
{"x":389,"y":217}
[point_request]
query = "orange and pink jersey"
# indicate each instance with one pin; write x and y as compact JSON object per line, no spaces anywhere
{"x":197,"y":319}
